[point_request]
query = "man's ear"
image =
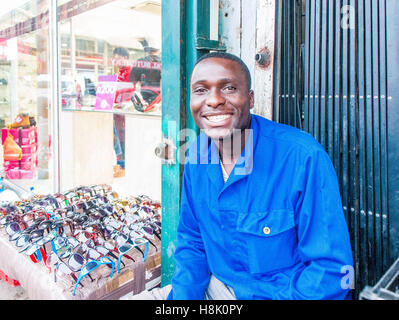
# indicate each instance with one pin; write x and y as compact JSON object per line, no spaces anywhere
{"x":251,"y":99}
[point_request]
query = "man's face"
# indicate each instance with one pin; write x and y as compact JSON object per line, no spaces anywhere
{"x":220,"y":100}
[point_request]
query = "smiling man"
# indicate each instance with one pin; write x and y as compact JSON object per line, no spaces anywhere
{"x":261,"y":215}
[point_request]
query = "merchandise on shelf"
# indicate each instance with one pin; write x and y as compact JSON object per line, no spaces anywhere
{"x":26,"y":167}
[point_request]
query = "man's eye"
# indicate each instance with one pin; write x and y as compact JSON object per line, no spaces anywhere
{"x":230,"y":88}
{"x":199,"y":90}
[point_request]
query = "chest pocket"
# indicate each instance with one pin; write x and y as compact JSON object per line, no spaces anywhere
{"x":270,"y":239}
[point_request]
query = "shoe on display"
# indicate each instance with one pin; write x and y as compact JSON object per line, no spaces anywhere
{"x":21,"y":121}
{"x":32,"y":121}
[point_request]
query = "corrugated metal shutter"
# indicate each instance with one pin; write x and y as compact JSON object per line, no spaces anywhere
{"x":338,"y":90}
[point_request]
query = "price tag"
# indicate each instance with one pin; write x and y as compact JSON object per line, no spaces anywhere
{"x":105,"y":93}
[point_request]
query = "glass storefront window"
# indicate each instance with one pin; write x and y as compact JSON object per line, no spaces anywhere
{"x":25,"y":94}
{"x":120,"y":39}
{"x":111,"y":95}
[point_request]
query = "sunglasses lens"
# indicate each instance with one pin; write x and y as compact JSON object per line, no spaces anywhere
{"x":36,"y":233}
{"x":76,"y":261}
{"x":139,"y":241}
{"x":22,"y":241}
{"x":146,"y":210}
{"x":148,"y":230}
{"x":90,"y":266}
{"x":45,"y":224}
{"x":124,"y":248}
{"x":12,"y":228}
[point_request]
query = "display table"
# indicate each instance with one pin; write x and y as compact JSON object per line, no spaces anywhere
{"x":39,"y":284}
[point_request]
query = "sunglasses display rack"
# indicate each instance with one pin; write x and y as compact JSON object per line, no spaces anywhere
{"x":89,"y":241}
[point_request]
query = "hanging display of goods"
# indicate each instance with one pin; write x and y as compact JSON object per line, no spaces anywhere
{"x":75,"y":232}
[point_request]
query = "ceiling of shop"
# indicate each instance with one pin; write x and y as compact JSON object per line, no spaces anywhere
{"x":6,"y":6}
{"x":121,"y":23}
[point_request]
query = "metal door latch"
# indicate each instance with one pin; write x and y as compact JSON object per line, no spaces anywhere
{"x":166,"y":151}
{"x":263,"y":58}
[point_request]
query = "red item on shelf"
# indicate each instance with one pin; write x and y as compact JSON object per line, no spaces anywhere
{"x":11,"y":282}
{"x":28,"y":135}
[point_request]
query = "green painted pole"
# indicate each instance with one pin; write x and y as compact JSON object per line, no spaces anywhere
{"x":173,"y":120}
{"x":185,"y":37}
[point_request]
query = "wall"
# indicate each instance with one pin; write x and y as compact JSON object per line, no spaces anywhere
{"x":143,"y":168}
{"x":247,"y":28}
{"x":86,"y":148}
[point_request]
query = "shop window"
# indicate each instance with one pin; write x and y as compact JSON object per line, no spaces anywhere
{"x":111,"y":96}
{"x":100,"y":46}
{"x":65,"y":45}
{"x":25,"y":94}
{"x":109,"y":87}
{"x":80,"y":116}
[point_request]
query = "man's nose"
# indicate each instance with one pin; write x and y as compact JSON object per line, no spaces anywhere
{"x":215,"y":99}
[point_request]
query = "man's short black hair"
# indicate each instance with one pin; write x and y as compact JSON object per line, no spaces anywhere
{"x":231,"y":57}
{"x":121,"y":52}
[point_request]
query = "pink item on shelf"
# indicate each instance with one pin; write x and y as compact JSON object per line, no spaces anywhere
{"x":29,"y":158}
{"x":24,"y":165}
{"x":12,"y":174}
{"x":28,"y":135}
{"x":29,"y":149}
{"x":27,"y":174}
{"x":15,"y":174}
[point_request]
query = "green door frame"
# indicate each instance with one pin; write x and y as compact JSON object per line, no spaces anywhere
{"x":185,"y":37}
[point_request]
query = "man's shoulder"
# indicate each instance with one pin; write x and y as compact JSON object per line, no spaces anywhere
{"x":286,"y":135}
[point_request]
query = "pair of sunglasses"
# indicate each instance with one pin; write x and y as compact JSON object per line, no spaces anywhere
{"x":74,"y":263}
{"x":13,"y":230}
{"x":128,"y":246}
{"x":90,"y":267}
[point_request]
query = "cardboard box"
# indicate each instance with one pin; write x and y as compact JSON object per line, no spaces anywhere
{"x":144,"y":277}
{"x":137,"y":277}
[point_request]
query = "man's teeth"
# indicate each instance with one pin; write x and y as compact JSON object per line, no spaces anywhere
{"x":218,"y":118}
